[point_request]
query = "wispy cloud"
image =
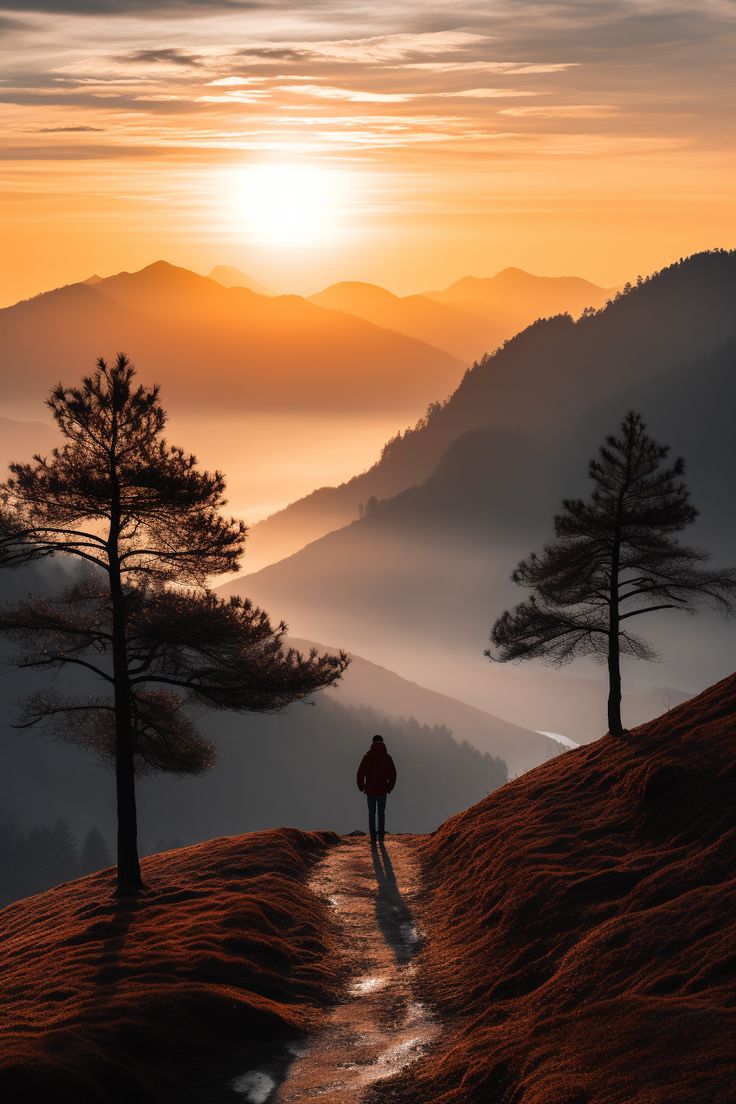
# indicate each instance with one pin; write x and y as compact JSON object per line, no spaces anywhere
{"x":507,"y":68}
{"x":232,"y":82}
{"x":562,"y":111}
{"x":69,"y":130}
{"x":127,"y":7}
{"x":521,"y":82}
{"x":170,"y":56}
{"x":394,"y":47}
{"x":327,"y":92}
{"x":488,"y":93}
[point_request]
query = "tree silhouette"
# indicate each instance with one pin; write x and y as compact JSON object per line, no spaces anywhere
{"x":95,"y":854}
{"x":148,"y":523}
{"x":615,"y":557}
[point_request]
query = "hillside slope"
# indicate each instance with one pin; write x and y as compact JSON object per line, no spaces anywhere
{"x":226,"y":954}
{"x":544,"y":381}
{"x":417,"y":583}
{"x":582,"y":923}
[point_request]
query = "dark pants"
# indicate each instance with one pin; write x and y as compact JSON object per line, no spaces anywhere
{"x":378,"y":803}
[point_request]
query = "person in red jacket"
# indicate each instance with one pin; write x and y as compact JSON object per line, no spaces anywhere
{"x":376,"y":778}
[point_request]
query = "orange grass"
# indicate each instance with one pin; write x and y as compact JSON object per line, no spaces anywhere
{"x":582,"y":926}
{"x":165,"y":997}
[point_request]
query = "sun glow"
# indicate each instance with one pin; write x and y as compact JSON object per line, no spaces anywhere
{"x":287,"y":205}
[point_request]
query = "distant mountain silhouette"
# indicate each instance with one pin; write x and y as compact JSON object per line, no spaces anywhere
{"x":417,"y":581}
{"x":543,"y":380}
{"x":471,"y":317}
{"x":216,"y":348}
{"x":372,"y":686}
{"x":465,"y":335}
{"x":233,"y":277}
{"x":513,"y":298}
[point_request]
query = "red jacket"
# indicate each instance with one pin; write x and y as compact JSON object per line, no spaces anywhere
{"x":376,"y":773}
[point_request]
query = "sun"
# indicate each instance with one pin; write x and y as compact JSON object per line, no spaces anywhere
{"x":286,"y":205}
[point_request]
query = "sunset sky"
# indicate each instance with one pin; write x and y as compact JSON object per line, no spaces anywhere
{"x":405,"y":144}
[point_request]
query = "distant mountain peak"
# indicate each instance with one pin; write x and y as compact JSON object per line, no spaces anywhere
{"x":514,"y":277}
{"x":233,"y":277}
{"x":353,"y":289}
{"x":165,"y":268}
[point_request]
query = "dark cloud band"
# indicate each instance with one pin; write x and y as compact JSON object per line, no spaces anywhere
{"x":127,"y":7}
{"x":170,"y":56}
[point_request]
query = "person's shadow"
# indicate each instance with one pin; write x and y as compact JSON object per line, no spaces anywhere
{"x":392,"y":912}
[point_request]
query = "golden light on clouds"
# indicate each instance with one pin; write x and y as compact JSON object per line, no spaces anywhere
{"x":549,"y":134}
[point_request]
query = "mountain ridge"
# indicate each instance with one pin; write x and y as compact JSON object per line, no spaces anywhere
{"x":500,"y":389}
{"x":373,"y":582}
{"x":266,"y":351}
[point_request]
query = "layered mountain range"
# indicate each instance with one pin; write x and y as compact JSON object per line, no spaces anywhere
{"x":408,"y":563}
{"x":224,"y":342}
{"x":216,"y":348}
{"x":470,"y":316}
{"x":412,"y":558}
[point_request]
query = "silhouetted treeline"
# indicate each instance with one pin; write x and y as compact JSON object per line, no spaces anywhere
{"x":45,"y":856}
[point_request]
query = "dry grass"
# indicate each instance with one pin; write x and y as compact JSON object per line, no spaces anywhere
{"x":582,"y":925}
{"x":581,"y":922}
{"x":165,"y":997}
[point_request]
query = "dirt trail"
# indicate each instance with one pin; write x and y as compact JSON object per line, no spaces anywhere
{"x":381,"y":1026}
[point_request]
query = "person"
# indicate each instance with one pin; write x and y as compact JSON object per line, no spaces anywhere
{"x":376,"y":778}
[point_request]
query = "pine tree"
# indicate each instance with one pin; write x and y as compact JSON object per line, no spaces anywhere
{"x":615,"y":558}
{"x":148,"y":524}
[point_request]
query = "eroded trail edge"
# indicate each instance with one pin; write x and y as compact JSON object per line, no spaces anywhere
{"x":381,"y":1026}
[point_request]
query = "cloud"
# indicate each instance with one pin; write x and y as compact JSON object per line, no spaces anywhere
{"x":393,"y":47}
{"x":506,"y":68}
{"x":106,"y":101}
{"x":233,"y":82}
{"x":273,"y":53}
{"x":289,"y":68}
{"x":169,"y":55}
{"x":489,"y":93}
{"x":370,"y":50}
{"x":562,"y":111}
{"x":326,"y":92}
{"x":126,"y":7}
{"x":68,"y":129}
{"x":9,"y":23}
{"x":86,"y":152}
{"x":235,"y":95}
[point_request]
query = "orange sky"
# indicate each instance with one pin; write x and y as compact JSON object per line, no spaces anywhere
{"x":439,"y":140}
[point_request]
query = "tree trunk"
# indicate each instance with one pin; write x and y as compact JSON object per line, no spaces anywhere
{"x":129,"y":870}
{"x":615,"y":726}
